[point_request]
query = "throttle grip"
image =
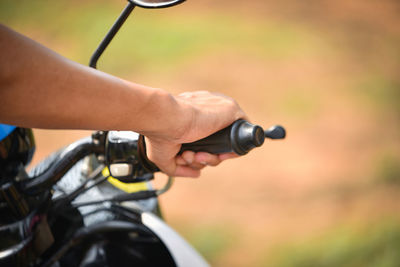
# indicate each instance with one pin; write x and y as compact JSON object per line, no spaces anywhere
{"x":240,"y":137}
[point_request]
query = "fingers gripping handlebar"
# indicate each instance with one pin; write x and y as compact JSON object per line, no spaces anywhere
{"x":240,"y":137}
{"x":126,"y":159}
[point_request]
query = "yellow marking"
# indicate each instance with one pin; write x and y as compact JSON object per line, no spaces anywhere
{"x":128,"y":188}
{"x":105,"y":172}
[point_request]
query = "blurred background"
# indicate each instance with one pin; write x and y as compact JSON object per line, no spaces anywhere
{"x":328,"y":195}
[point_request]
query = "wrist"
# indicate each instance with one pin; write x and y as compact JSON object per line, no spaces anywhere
{"x":166,"y":117}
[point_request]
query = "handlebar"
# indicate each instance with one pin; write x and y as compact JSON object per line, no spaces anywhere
{"x":240,"y":137}
{"x":62,"y":164}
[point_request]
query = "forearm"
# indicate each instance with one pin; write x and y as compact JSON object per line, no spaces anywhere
{"x":39,"y":88}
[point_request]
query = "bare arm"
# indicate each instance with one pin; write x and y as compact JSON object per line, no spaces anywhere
{"x":41,"y":89}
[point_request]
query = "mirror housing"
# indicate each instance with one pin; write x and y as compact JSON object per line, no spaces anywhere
{"x":156,"y":3}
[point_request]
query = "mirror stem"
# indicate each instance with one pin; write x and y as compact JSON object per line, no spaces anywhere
{"x":110,"y":35}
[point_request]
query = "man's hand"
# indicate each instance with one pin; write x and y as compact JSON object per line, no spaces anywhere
{"x":201,"y":114}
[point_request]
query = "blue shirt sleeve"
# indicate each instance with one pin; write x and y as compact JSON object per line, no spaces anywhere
{"x":5,"y":130}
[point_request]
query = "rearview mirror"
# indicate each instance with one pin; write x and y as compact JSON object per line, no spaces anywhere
{"x":156,"y":3}
{"x":121,"y":19}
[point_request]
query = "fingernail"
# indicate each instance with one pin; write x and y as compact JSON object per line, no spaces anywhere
{"x":189,"y":160}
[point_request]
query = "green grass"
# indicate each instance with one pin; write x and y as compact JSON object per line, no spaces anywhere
{"x":212,"y":240}
{"x":297,"y":104}
{"x":379,"y":91}
{"x":376,"y":245}
{"x":388,"y":170}
{"x":152,"y":41}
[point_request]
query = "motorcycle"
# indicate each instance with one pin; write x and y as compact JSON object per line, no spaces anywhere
{"x":92,"y":202}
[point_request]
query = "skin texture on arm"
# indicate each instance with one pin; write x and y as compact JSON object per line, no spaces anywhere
{"x":41,"y":89}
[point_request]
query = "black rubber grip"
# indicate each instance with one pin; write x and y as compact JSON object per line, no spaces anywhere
{"x":240,"y":137}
